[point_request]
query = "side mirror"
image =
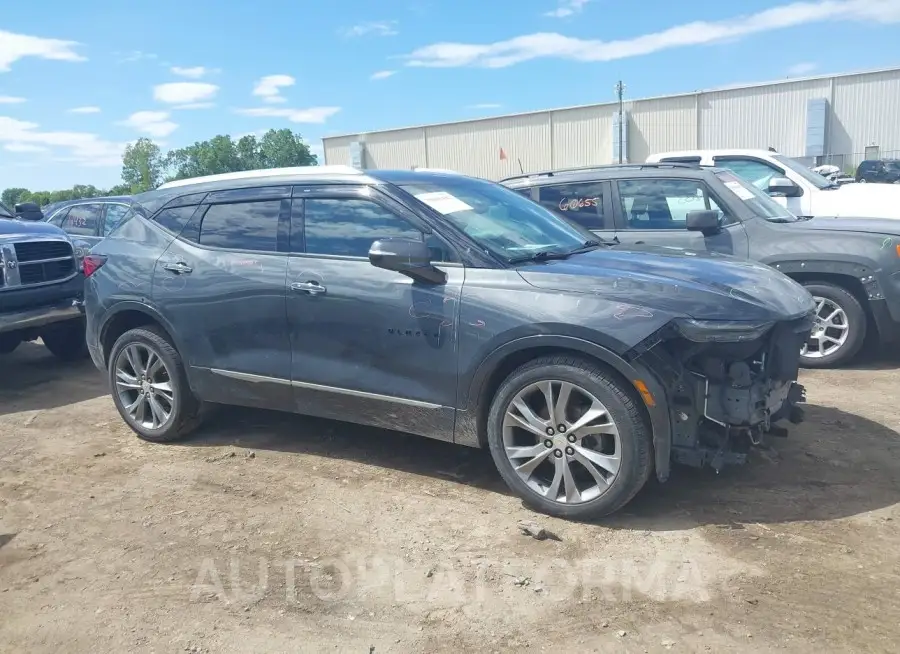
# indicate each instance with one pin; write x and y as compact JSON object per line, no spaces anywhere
{"x":784,"y":187}
{"x":706,"y":221}
{"x":406,"y":256}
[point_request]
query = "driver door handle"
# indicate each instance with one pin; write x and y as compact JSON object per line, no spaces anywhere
{"x":179,"y":268}
{"x":313,"y":288}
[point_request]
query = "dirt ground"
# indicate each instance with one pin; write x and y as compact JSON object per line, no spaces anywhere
{"x":276,"y":533}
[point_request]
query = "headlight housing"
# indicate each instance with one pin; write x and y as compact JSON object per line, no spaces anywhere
{"x":721,"y":331}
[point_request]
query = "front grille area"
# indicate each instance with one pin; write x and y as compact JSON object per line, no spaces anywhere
{"x":38,"y":273}
{"x":39,"y":262}
{"x":39,"y":250}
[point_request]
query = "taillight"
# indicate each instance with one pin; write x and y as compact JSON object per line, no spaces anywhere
{"x":92,"y":263}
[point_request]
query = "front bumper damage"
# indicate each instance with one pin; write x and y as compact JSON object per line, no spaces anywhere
{"x":726,"y":398}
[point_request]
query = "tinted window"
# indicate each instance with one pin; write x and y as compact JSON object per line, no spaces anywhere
{"x":662,"y":203}
{"x":581,"y":203}
{"x":755,"y":172}
{"x":58,"y":217}
{"x":348,"y":227}
{"x":114,"y":215}
{"x":174,"y":219}
{"x":242,"y":226}
{"x":83,"y":220}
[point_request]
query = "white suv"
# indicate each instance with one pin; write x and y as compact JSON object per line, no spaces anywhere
{"x":796,"y":187}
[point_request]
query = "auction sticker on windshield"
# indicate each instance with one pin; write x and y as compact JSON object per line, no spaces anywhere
{"x":739,"y":190}
{"x":443,"y":202}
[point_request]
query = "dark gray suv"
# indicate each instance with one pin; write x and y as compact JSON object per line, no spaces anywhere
{"x":449,"y":307}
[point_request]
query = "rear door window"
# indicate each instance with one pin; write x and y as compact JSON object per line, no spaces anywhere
{"x":581,"y":203}
{"x":83,"y":219}
{"x":242,"y":226}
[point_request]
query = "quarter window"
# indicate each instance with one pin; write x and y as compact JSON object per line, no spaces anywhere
{"x":348,"y":227}
{"x":663,"y":203}
{"x":242,"y":226}
{"x":83,"y":220}
{"x":580,"y":203}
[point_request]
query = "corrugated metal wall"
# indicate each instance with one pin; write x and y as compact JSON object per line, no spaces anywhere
{"x":864,"y":111}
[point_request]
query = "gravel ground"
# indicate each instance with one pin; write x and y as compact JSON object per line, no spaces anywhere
{"x":275,"y":533}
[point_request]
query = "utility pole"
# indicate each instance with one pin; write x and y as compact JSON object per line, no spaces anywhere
{"x":620,"y":92}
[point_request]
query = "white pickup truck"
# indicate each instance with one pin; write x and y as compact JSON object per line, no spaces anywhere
{"x":796,"y":187}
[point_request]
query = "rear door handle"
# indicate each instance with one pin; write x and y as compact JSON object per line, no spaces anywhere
{"x":313,"y":288}
{"x":179,"y":268}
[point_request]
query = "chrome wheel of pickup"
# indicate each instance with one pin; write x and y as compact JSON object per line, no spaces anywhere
{"x":561,"y":441}
{"x":143,"y":384}
{"x":829,"y":332}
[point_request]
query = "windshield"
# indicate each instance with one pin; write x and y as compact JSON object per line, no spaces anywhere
{"x":758,"y":202}
{"x":893,"y":166}
{"x":5,"y":212}
{"x":813,"y":178}
{"x":500,"y":220}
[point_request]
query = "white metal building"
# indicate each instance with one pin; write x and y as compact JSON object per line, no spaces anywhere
{"x":838,"y":119}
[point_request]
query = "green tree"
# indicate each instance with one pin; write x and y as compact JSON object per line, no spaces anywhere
{"x":12,"y":196}
{"x":283,"y":148}
{"x":142,"y":165}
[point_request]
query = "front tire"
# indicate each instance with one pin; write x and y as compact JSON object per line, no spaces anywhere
{"x":840,"y":328}
{"x":150,"y":387}
{"x":569,"y":438}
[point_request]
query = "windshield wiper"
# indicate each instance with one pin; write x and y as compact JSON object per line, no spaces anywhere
{"x":543,"y":255}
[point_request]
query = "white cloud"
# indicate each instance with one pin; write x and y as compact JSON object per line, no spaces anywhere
{"x":184,"y":92}
{"x":17,"y":46}
{"x":269,"y":87}
{"x":383,"y":74}
{"x":11,"y":99}
{"x":81,"y":147}
{"x":802,"y":68}
{"x":374,"y":28}
{"x":193,"y":73}
{"x":134,"y":55}
{"x":567,"y":8}
{"x":85,"y":110}
{"x":25,"y":147}
{"x":310,"y":115}
{"x":544,"y":45}
{"x":195,"y":105}
{"x":154,"y":123}
{"x":485,"y":105}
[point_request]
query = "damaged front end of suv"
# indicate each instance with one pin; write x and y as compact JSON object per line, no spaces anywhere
{"x":728,"y":384}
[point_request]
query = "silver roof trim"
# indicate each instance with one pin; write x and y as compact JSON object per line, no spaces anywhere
{"x":262,"y":174}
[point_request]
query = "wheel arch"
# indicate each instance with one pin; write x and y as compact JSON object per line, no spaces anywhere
{"x":130,"y":315}
{"x":651,"y":400}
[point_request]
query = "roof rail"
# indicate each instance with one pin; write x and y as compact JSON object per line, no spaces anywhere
{"x":582,"y":169}
{"x":263,"y":173}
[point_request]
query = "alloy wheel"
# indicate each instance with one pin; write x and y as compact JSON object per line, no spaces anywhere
{"x":562,"y":441}
{"x":144,"y":386}
{"x":829,"y":332}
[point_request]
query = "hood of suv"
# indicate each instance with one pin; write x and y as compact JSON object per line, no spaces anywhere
{"x":9,"y":227}
{"x":869,"y":225}
{"x":703,"y":286}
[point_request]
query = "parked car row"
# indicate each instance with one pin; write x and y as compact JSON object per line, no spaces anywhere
{"x":589,"y":327}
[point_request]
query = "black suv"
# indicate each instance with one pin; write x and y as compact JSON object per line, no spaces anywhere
{"x":879,"y":171}
{"x":850,"y":266}
{"x":41,"y":287}
{"x":449,"y":307}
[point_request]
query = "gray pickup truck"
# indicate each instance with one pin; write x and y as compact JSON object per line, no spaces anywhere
{"x":41,"y":287}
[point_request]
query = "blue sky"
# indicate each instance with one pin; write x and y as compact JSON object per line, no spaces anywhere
{"x":80,"y":80}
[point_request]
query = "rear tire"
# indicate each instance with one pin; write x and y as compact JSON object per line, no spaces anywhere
{"x":831,"y":298}
{"x":561,"y":463}
{"x":65,"y":340}
{"x":150,"y":387}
